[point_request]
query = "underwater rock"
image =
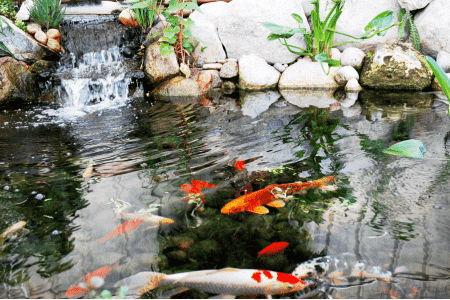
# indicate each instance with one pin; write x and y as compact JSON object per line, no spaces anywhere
{"x":396,"y":66}
{"x":183,"y":242}
{"x":179,"y":256}
{"x":206,"y":250}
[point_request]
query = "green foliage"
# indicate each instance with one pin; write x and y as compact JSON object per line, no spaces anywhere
{"x":401,"y":130}
{"x":320,"y":40}
{"x":406,"y":18}
{"x":47,"y":13}
{"x":441,"y":77}
{"x":2,"y":46}
{"x":145,"y":13}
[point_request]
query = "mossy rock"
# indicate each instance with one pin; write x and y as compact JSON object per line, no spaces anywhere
{"x":396,"y":66}
{"x":183,"y":242}
{"x":207,"y":251}
{"x":177,"y":256}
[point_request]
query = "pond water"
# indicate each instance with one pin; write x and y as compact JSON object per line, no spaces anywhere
{"x":74,"y":172}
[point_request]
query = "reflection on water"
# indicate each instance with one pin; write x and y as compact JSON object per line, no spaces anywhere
{"x":387,"y":210}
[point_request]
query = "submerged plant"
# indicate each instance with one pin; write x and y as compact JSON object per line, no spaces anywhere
{"x":320,"y":40}
{"x":47,"y":13}
{"x":441,"y":77}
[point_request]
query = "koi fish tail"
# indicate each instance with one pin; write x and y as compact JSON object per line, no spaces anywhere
{"x":141,"y":283}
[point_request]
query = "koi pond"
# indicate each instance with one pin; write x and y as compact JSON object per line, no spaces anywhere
{"x":106,"y":183}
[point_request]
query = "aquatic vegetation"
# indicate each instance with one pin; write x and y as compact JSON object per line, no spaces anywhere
{"x":320,"y":40}
{"x":409,"y":148}
{"x":441,"y":77}
{"x":401,"y":130}
{"x":76,"y":290}
{"x":228,"y":281}
{"x":273,"y":249}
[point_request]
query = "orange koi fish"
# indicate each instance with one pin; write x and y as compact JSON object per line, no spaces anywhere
{"x":228,"y":281}
{"x":75,"y":290}
{"x":239,"y":165}
{"x":152,"y":219}
{"x":254,"y":202}
{"x":123,"y":228}
{"x":273,"y":249}
{"x":196,"y":187}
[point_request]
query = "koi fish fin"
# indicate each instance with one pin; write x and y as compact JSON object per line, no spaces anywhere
{"x":169,"y":294}
{"x":276,"y":203}
{"x":141,"y":283}
{"x":103,"y":240}
{"x":260,"y":210}
{"x":223,"y":296}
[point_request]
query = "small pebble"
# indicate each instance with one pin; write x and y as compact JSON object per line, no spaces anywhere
{"x":55,"y":232}
{"x":39,"y":196}
{"x":68,"y":153}
{"x":6,"y":188}
{"x":33,"y":192}
{"x":437,"y":207}
{"x":279,"y":67}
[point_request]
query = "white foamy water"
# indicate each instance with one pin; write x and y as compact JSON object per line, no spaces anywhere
{"x":92,"y":82}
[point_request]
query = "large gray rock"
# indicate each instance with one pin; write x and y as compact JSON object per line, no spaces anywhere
{"x":16,"y":83}
{"x":206,"y":32}
{"x":413,"y":4}
{"x":306,"y":74}
{"x":355,"y":17}
{"x":443,"y":60}
{"x":353,"y":57}
{"x":433,"y":24}
{"x":23,"y":46}
{"x":256,"y":74}
{"x":396,"y":66}
{"x":241,"y":32}
{"x":255,"y":103}
{"x":157,"y":68}
{"x":211,"y":12}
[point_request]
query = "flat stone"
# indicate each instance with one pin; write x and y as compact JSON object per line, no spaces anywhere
{"x":256,"y":74}
{"x":215,"y":66}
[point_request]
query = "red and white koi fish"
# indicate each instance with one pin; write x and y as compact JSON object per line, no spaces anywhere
{"x":228,"y":281}
{"x":254,"y":202}
{"x":75,"y":290}
{"x":239,"y":165}
{"x":148,"y":218}
{"x":123,"y":228}
{"x":273,"y":249}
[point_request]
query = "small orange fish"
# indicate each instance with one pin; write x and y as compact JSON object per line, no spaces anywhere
{"x":76,"y":290}
{"x":239,"y":165}
{"x":273,"y":249}
{"x":123,"y":228}
{"x":196,"y":187}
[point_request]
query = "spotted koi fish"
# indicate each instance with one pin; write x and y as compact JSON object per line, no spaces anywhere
{"x":344,"y":271}
{"x":228,"y":281}
{"x":254,"y":201}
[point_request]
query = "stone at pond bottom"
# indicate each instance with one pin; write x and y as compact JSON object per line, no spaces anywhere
{"x":54,"y":45}
{"x":228,"y":87}
{"x":306,"y":98}
{"x":305,"y":74}
{"x":127,"y":18}
{"x":443,"y":60}
{"x":256,"y":74}
{"x":16,"y":82}
{"x":345,"y":74}
{"x":255,"y":103}
{"x":54,"y":34}
{"x":157,"y":68}
{"x":178,"y":86}
{"x":352,"y":57}
{"x":32,"y":28}
{"x":229,"y":70}
{"x":41,"y":37}
{"x":396,"y":66}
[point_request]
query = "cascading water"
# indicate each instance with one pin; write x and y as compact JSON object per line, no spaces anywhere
{"x":98,"y":68}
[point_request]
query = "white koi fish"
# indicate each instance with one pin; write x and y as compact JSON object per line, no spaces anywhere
{"x":14,"y":228}
{"x":228,"y":281}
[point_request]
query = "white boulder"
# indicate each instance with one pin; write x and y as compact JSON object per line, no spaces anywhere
{"x":353,"y":85}
{"x":345,"y":74}
{"x":210,"y":12}
{"x":242,"y":33}
{"x":206,"y":32}
{"x":443,"y":60}
{"x":433,"y":25}
{"x":352,"y":57}
{"x":256,"y":74}
{"x":413,"y":4}
{"x":305,"y":74}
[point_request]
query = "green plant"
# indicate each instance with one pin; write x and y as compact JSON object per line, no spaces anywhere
{"x":145,"y":13}
{"x":47,"y":13}
{"x":19,"y":23}
{"x":320,"y":40}
{"x":406,"y":18}
{"x":441,"y":77}
{"x":177,"y":31}
{"x":2,"y":46}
